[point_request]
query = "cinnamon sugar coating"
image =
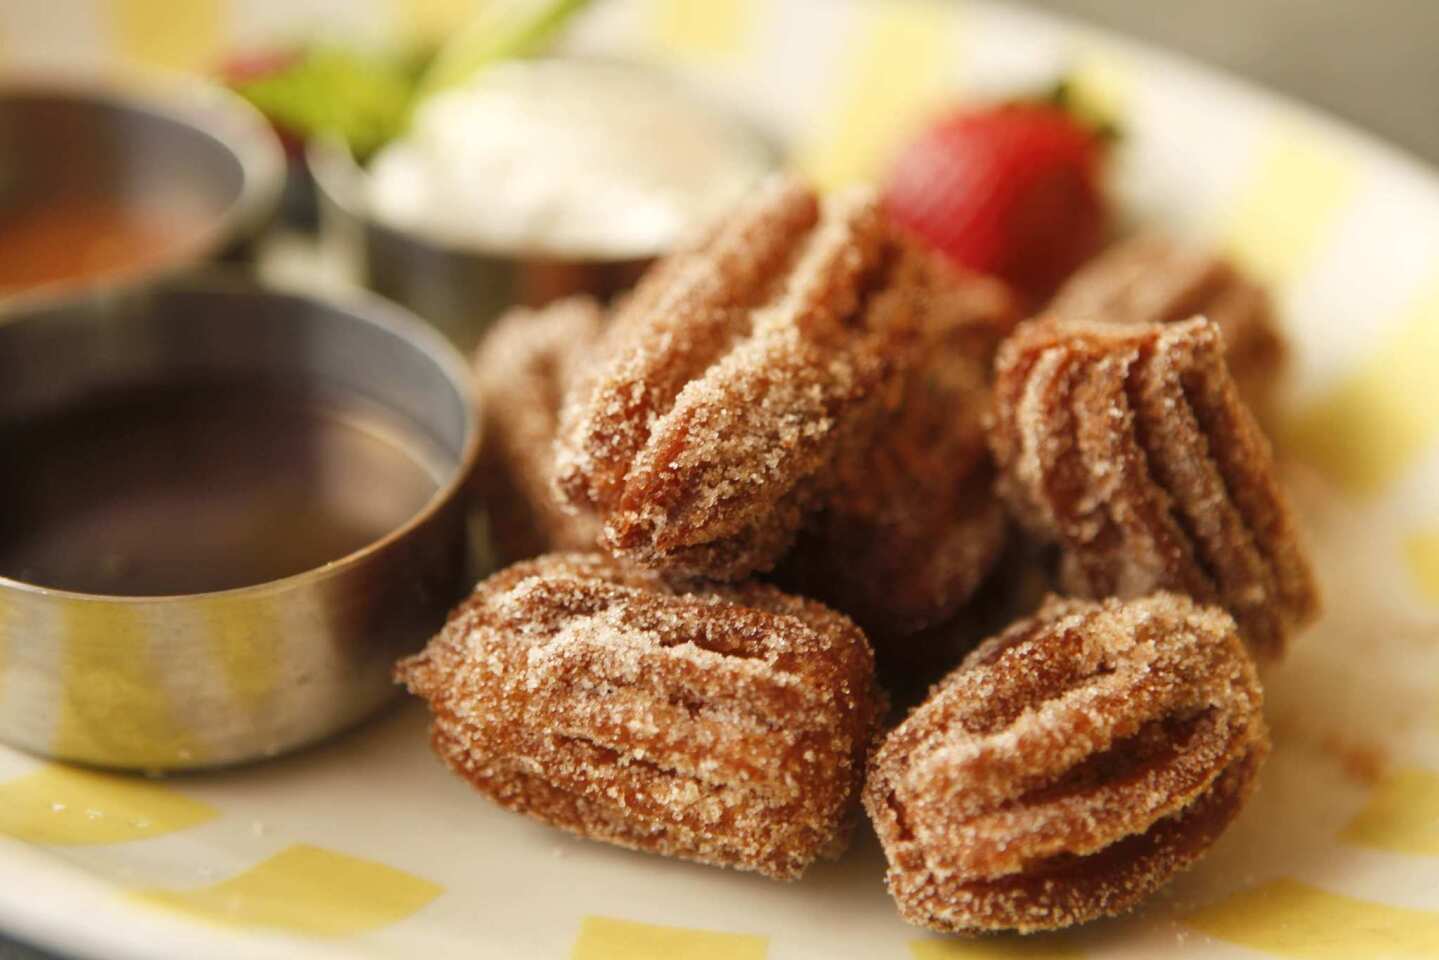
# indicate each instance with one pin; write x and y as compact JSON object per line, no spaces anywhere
{"x":523,"y":367}
{"x":736,"y":374}
{"x":727,"y":725}
{"x":912,"y":526}
{"x":1130,"y":448}
{"x":1069,"y":767}
{"x":1151,"y":278}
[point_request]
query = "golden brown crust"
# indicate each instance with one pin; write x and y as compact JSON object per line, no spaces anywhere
{"x":736,"y":374}
{"x":1151,"y":278}
{"x":912,"y":526}
{"x":727,"y":725}
{"x":1129,"y":447}
{"x":523,"y":368}
{"x":1069,"y":767}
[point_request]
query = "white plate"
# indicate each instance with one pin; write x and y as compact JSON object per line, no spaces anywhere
{"x":366,"y":847}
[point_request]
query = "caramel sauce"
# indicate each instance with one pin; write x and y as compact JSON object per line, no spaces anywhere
{"x":73,"y":239}
{"x":193,"y":486}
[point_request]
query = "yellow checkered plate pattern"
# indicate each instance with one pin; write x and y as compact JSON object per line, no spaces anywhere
{"x":367,"y":848}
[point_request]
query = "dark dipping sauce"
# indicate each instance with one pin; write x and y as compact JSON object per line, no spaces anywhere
{"x":195,"y":487}
{"x":69,"y":240}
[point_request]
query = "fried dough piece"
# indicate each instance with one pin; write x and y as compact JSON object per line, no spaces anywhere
{"x":1070,"y":767}
{"x":737,"y":373}
{"x":913,"y":525}
{"x":1129,"y":447}
{"x":523,"y":368}
{"x":1152,"y":278}
{"x":727,"y":725}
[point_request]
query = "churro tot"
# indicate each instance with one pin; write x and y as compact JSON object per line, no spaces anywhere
{"x":1069,"y":767}
{"x":913,"y":526}
{"x":737,"y":373}
{"x":1128,"y":446}
{"x":727,"y":725}
{"x":1152,"y":278}
{"x":523,"y":367}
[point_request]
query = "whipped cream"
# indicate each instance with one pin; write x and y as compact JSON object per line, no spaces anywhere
{"x":564,"y":157}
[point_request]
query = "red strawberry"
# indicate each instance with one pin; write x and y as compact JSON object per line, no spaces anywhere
{"x":252,"y":65}
{"x":1013,"y":190}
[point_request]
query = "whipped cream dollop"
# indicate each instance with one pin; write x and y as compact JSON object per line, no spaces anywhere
{"x":564,"y":157}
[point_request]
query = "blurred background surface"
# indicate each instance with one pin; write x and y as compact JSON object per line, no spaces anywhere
{"x":1375,"y":64}
{"x":1372,"y":63}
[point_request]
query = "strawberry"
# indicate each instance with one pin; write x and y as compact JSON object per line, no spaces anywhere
{"x":251,"y":65}
{"x":1014,"y":190}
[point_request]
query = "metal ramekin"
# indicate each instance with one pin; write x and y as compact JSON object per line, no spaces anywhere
{"x":458,"y":287}
{"x":145,"y":138}
{"x":204,"y":679}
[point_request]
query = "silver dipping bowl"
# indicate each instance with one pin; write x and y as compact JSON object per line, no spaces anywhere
{"x":167,"y":148}
{"x":227,"y":511}
{"x":458,"y":289}
{"x":461,"y":286}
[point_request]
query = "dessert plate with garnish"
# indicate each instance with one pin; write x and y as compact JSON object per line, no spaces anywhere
{"x":770,"y":672}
